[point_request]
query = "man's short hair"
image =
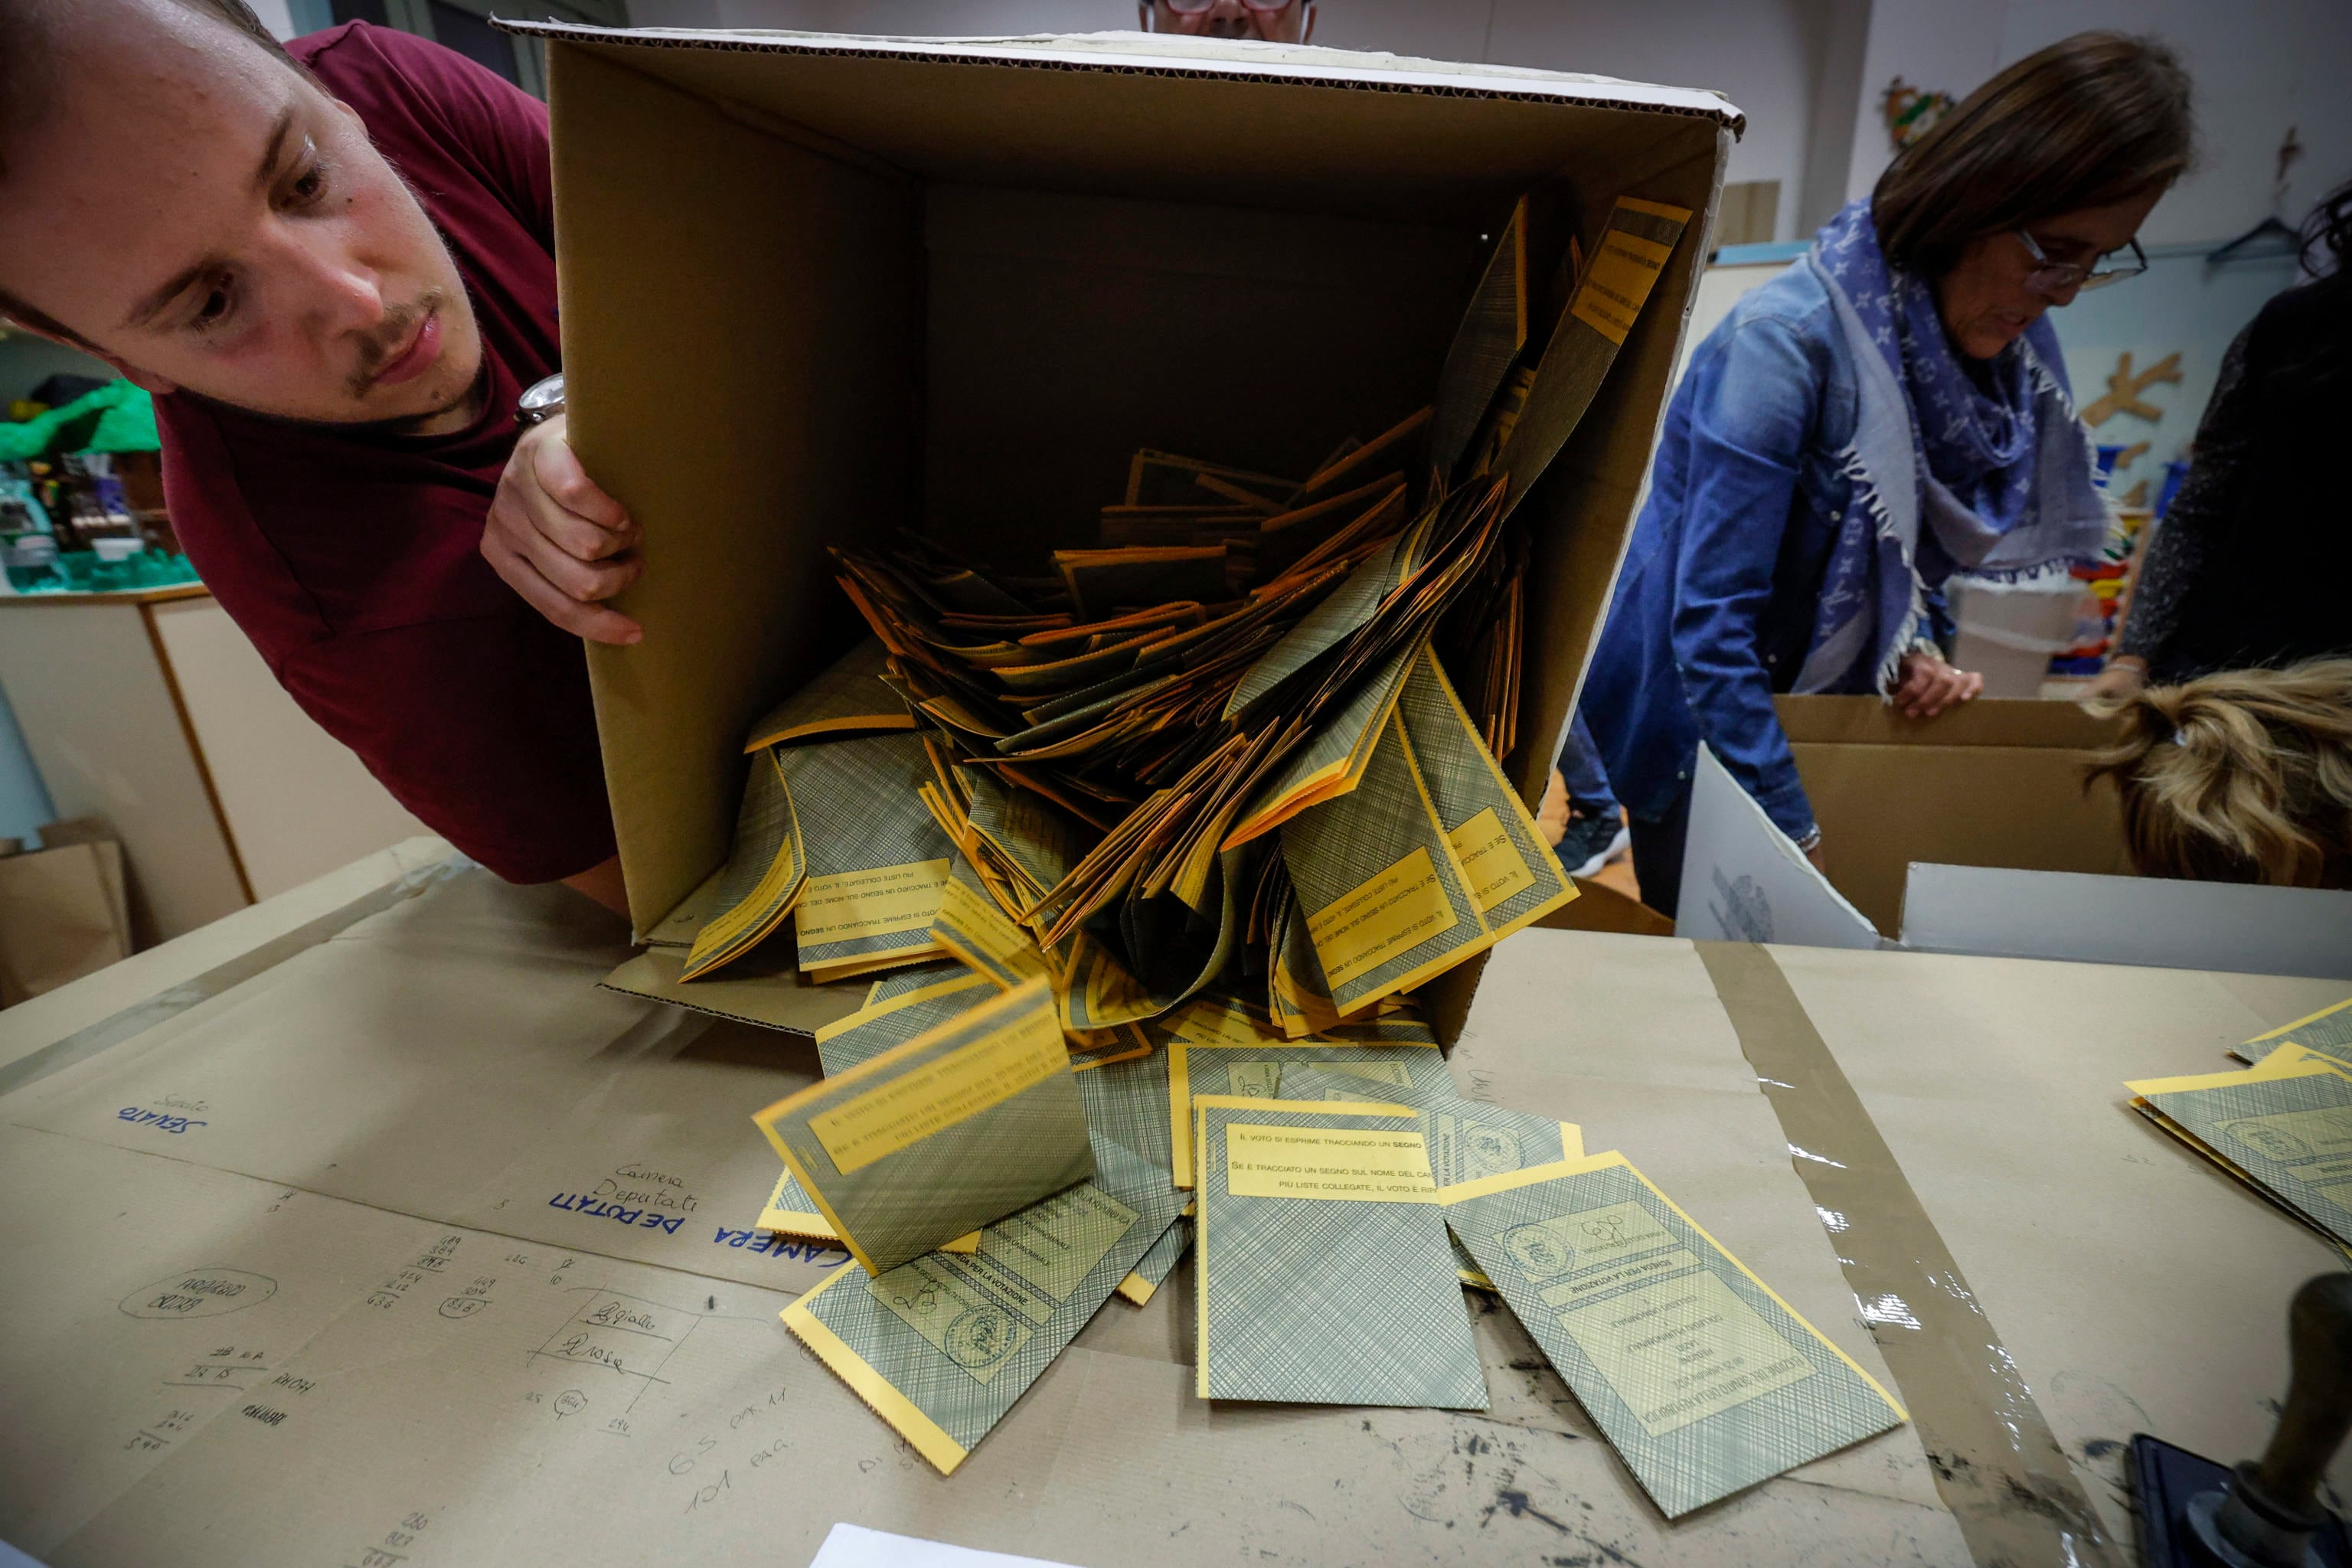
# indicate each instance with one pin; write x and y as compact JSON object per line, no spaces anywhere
{"x":27,"y":56}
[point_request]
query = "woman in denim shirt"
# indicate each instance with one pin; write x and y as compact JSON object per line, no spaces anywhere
{"x":1890,"y":410}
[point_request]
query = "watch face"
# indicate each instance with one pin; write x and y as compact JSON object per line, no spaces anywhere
{"x":545,"y":395}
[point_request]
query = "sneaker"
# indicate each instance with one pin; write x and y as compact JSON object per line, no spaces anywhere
{"x":1592,"y":842}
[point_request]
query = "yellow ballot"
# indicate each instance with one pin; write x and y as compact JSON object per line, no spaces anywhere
{"x":2284,"y":1126}
{"x":1323,"y":1273}
{"x":958,"y":1127}
{"x":1701,"y":1377}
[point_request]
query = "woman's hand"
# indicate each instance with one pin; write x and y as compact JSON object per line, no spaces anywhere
{"x":2125,"y":677}
{"x":1926,"y":685}
{"x":560,"y":542}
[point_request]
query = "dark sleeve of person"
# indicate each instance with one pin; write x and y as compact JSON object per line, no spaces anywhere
{"x":2200,"y":512}
{"x":464,"y":109}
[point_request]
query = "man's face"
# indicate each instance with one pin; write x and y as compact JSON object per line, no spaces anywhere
{"x":1278,"y":21}
{"x":209,"y":219}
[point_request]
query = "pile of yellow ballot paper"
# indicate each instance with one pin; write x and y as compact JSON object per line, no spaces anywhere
{"x":1249,"y":742}
{"x":2283,"y":1125}
{"x":996,"y":1191}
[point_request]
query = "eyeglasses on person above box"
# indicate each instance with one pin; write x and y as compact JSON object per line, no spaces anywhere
{"x":2050,"y":277}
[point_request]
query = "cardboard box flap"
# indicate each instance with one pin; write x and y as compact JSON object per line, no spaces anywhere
{"x":2149,"y":922}
{"x":1357,"y":136}
{"x":1988,"y":722}
{"x":1115,"y":51}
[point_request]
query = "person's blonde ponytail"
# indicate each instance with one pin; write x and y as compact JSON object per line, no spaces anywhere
{"x":2243,"y":776}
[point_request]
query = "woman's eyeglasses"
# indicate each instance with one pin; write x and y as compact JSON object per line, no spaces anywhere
{"x":2050,"y":277}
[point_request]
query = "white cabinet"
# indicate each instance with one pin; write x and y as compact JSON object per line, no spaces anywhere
{"x":151,"y":711}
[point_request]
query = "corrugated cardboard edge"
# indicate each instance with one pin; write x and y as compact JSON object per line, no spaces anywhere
{"x":1997,"y":1466}
{"x":1119,"y":54}
{"x":785,"y":1001}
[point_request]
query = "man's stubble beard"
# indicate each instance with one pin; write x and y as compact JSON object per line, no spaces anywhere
{"x":395,"y":332}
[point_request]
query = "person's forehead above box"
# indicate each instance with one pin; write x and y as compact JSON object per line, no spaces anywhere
{"x":1276,"y":21}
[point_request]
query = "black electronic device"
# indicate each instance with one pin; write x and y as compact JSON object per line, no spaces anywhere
{"x":2194,"y":1513}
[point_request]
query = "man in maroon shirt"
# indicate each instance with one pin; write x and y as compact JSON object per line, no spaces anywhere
{"x":333,"y":263}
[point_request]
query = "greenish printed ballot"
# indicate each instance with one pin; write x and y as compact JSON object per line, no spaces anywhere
{"x":980,"y":1309}
{"x":1703,"y":1379}
{"x":876,"y":1027}
{"x":2287,"y":1128}
{"x":942,"y":1346}
{"x":2326,"y":1032}
{"x":951,"y":1131}
{"x":1126,"y":1104}
{"x":1468,"y":1141}
{"x":1465,"y":1140}
{"x":1323,"y":1272}
{"x":1392,"y":1075}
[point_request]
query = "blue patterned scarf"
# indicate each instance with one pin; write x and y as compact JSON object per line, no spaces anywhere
{"x":1987,"y":454}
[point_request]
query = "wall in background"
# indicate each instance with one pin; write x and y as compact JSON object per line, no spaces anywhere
{"x":23,"y":799}
{"x":26,"y":360}
{"x":1767,"y":56}
{"x":2181,"y":305}
{"x":2258,"y":69}
{"x":1809,"y":74}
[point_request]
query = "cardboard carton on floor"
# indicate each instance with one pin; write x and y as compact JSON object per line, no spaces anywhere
{"x":1973,"y":833}
{"x":819,"y":288}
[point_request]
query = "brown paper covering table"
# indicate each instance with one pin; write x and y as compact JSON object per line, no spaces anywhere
{"x":319,"y":1216}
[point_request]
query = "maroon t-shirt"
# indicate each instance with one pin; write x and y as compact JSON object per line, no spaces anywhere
{"x":353,"y":560}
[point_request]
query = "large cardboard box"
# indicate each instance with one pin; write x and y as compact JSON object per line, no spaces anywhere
{"x":819,"y":288}
{"x":1975,"y":832}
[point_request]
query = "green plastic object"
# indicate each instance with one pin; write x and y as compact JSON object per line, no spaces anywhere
{"x":117,"y":417}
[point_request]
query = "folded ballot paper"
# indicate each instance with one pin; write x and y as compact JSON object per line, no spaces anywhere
{"x":2282,"y":1126}
{"x":955,"y":1129}
{"x":1126,"y":1104}
{"x":942,"y":1346}
{"x":1398,"y":1073}
{"x":1703,"y":1379}
{"x":1324,"y":1276}
{"x":2326,"y":1032}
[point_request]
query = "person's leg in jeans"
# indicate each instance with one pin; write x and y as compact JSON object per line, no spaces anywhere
{"x":1594,"y":832}
{"x":1579,"y":768}
{"x":1658,"y":853}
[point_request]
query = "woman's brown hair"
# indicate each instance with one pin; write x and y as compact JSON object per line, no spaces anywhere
{"x":2245,"y":776}
{"x":2090,"y":120}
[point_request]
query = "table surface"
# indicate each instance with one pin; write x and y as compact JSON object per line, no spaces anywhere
{"x":359,"y":1111}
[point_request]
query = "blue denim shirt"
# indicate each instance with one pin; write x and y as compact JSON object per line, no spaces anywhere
{"x":1715,"y":605}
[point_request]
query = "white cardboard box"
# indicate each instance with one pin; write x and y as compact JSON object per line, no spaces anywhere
{"x":1744,"y":881}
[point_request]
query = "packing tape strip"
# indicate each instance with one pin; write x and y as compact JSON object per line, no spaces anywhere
{"x":1997,"y":1466}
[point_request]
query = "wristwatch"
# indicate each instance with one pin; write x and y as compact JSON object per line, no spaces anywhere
{"x":541,"y":402}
